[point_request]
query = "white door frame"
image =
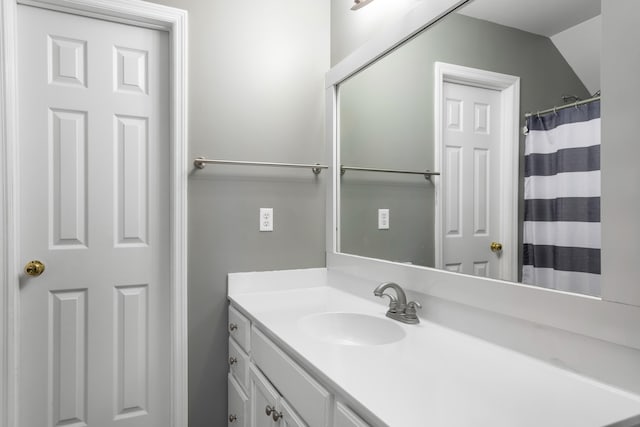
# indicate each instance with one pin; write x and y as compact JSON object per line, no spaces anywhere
{"x":509,"y":87}
{"x":138,"y":13}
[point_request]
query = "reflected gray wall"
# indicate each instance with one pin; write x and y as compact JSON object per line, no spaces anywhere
{"x":351,"y":29}
{"x":256,"y":92}
{"x":382,"y":125}
{"x":386,"y":121}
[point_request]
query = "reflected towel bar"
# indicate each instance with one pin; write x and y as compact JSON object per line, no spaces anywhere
{"x":427,"y":174}
{"x":201,"y":162}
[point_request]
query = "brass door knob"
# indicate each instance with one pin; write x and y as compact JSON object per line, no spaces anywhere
{"x":496,"y":247}
{"x":34,"y":268}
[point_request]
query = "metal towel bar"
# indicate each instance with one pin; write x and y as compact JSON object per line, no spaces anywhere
{"x":427,"y":174}
{"x":201,"y":162}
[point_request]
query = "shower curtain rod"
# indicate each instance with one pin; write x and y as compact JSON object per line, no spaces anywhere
{"x":562,"y":107}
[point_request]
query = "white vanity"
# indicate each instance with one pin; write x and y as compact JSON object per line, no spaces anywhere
{"x":269,"y":383}
{"x":297,"y":350}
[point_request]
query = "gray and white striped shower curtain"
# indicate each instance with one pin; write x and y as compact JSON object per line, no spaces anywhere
{"x":561,"y":230}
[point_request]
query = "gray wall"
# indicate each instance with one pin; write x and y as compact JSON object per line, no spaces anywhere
{"x":256,"y":92}
{"x":386,"y":121}
{"x":620,"y":150}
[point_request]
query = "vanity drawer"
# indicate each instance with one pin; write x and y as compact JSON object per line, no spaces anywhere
{"x":239,"y":328}
{"x":311,"y":400}
{"x":345,"y":417}
{"x":239,"y":364}
{"x":238,"y":404}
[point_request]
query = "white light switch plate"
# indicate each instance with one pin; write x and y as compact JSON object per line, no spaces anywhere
{"x":266,"y":219}
{"x":383,"y":219}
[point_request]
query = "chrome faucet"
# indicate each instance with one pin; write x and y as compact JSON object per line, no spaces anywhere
{"x":399,"y":309}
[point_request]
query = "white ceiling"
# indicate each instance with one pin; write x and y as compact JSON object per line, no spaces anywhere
{"x":544,"y":17}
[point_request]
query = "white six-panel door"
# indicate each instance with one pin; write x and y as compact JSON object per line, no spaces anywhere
{"x":94,"y":208}
{"x":470,"y":180}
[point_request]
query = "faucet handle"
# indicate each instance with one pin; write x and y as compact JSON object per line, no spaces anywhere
{"x":414,"y":305}
{"x":410,"y":311}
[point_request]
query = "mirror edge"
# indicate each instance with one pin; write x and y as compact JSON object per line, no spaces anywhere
{"x":599,"y":318}
{"x":382,"y":43}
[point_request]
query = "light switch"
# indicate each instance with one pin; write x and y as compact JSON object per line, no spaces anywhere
{"x":266,"y":219}
{"x":383,"y":219}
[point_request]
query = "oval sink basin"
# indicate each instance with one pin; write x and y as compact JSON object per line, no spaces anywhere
{"x":351,"y":328}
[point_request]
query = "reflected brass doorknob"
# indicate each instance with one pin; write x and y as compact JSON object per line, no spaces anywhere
{"x":496,"y":247}
{"x":34,"y":268}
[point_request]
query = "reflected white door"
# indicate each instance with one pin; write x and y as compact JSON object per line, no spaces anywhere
{"x":470,"y":180}
{"x":94,"y":208}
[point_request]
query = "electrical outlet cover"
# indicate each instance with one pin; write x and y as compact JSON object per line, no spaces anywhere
{"x":266,"y":219}
{"x":383,"y":219}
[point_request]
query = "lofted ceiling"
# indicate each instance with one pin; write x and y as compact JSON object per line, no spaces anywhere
{"x":544,"y":17}
{"x":574,"y":26}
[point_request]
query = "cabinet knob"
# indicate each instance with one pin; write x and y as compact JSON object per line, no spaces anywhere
{"x":276,"y":415}
{"x":233,"y":327}
{"x":270,"y":410}
{"x":232,"y":360}
{"x":232,"y":418}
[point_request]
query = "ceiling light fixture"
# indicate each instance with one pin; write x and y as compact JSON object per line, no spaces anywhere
{"x":360,"y":3}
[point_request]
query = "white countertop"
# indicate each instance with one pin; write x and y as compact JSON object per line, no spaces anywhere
{"x":434,"y":376}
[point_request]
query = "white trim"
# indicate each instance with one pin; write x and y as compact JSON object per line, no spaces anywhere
{"x":610,"y":321}
{"x":509,"y":87}
{"x":148,"y":15}
{"x":8,"y":216}
{"x":333,"y":191}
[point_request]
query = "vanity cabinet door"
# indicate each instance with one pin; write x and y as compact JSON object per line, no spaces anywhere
{"x":309,"y":398}
{"x":239,"y":364}
{"x":345,"y":417}
{"x":263,"y":395}
{"x":238,"y":404}
{"x":289,"y":417}
{"x":239,"y":328}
